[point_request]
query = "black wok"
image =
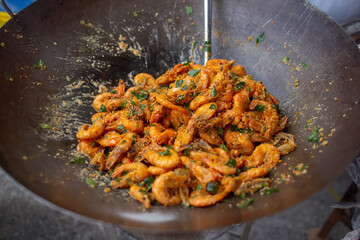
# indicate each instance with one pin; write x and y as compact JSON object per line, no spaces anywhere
{"x":78,"y":43}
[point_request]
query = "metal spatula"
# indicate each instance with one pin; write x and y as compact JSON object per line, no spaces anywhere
{"x":207,"y":30}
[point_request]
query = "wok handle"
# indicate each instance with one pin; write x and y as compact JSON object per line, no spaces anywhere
{"x":7,"y":9}
{"x":207,"y":29}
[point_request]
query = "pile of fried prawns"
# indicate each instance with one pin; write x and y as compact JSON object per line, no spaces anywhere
{"x":194,"y":135}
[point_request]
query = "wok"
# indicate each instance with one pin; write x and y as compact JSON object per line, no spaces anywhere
{"x":78,"y":43}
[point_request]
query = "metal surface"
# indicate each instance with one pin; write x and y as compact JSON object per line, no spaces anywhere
{"x":353,"y":29}
{"x":7,"y":9}
{"x":342,"y":12}
{"x":346,"y":205}
{"x":207,"y":28}
{"x":80,"y":48}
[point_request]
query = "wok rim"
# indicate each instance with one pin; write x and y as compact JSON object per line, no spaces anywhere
{"x":91,"y":219}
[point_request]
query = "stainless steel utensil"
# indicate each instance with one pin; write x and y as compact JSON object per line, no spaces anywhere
{"x":207,"y":29}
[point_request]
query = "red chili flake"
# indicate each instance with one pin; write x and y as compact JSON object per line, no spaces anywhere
{"x":21,"y":78}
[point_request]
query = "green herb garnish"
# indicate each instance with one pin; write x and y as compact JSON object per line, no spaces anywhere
{"x":248,"y":89}
{"x":220,"y":131}
{"x":212,"y":187}
{"x":315,"y":135}
{"x":263,"y":128}
{"x":123,"y":104}
{"x":223,"y":147}
{"x":187,"y":152}
{"x":165,"y":153}
{"x":193,"y":72}
{"x":7,"y":75}
{"x":300,"y":167}
{"x":113,"y":91}
{"x":275,"y":107}
{"x":102,"y":108}
{"x":121,"y":129}
{"x":141,"y":95}
{"x":296,"y":83}
{"x":180,"y":98}
{"x":233,"y":76}
{"x":308,"y":122}
{"x":199,"y":187}
{"x":261,"y":38}
{"x":234,"y":128}
{"x":91,"y":182}
{"x":304,"y":65}
{"x":179,"y":83}
{"x":259,"y":108}
{"x":77,"y":160}
{"x":124,"y":173}
{"x":207,"y":46}
{"x":231,"y":163}
{"x":186,"y":63}
{"x":133,"y":139}
{"x":194,"y":44}
{"x":212,"y":106}
{"x":188,"y":9}
{"x":142,"y":106}
{"x":271,"y":190}
{"x":184,"y":88}
{"x":242,"y":195}
{"x":213,"y":92}
{"x":2,"y":44}
{"x":248,"y":202}
{"x":187,"y":106}
{"x":41,"y":65}
{"x":148,"y":183}
{"x":239,"y":85}
{"x":44,"y":125}
{"x":285,"y":60}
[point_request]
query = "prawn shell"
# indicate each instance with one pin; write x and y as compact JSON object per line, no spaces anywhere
{"x":94,"y":131}
{"x":201,"y":198}
{"x":120,"y":150}
{"x":139,"y":194}
{"x":171,"y":160}
{"x":128,"y":174}
{"x":166,"y":188}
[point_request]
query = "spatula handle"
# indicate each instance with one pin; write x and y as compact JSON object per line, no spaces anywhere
{"x":207,"y":29}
